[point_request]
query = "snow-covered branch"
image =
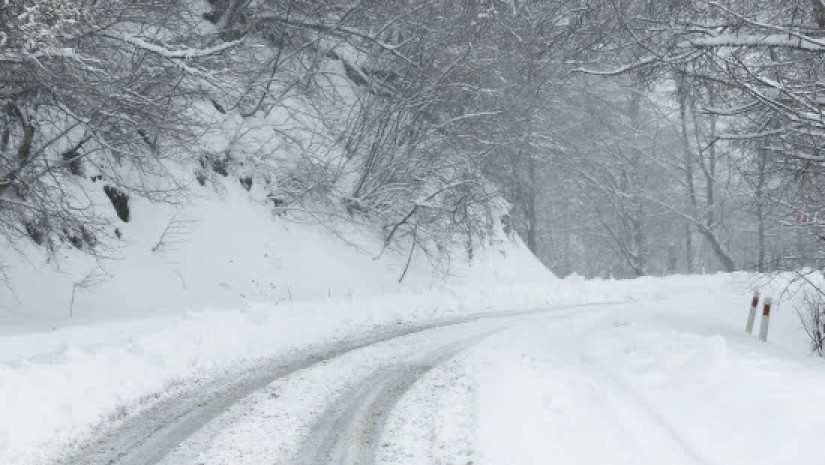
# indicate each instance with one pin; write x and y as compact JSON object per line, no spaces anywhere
{"x":173,"y":53}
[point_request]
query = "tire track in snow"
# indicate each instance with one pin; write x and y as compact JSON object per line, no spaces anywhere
{"x":649,"y":427}
{"x":350,"y":431}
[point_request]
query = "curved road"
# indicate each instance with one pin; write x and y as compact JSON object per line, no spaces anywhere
{"x":343,"y":435}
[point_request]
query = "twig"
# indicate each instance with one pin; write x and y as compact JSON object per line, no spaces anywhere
{"x":409,"y":257}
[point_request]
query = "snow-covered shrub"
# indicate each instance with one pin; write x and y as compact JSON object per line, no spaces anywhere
{"x":812,"y":316}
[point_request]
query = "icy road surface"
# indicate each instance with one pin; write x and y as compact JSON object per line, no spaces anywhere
{"x":619,"y":384}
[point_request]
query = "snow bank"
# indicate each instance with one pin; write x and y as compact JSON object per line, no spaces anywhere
{"x":645,"y":384}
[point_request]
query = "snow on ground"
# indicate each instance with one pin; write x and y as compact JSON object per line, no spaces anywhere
{"x":436,"y":420}
{"x":272,"y":424}
{"x":237,"y":285}
{"x":50,"y":398}
{"x":641,"y":383}
{"x":225,"y":251}
{"x":83,"y":375}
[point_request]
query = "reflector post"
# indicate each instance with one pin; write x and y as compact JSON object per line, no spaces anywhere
{"x":752,"y":314}
{"x":766,"y":318}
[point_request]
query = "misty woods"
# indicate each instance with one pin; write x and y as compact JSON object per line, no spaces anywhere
{"x":616,"y":138}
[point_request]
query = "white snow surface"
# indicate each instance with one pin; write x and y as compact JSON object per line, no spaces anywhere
{"x":669,"y":377}
{"x":644,"y":382}
{"x":644,"y":385}
{"x":228,"y":251}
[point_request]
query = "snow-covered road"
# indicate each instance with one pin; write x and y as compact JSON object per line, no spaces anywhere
{"x":350,"y":430}
{"x":182,"y":426}
{"x":633,"y":383}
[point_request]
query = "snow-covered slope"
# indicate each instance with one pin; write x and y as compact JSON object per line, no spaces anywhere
{"x":229,"y":251}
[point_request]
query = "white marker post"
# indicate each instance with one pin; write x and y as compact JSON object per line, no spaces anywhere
{"x":766,"y":317}
{"x":752,"y":314}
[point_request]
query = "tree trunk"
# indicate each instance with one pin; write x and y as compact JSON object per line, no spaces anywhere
{"x":640,"y":243}
{"x":532,"y":241}
{"x":686,"y":150}
{"x":718,"y":248}
{"x":567,"y":237}
{"x":759,"y":196}
{"x":819,"y":13}
{"x":689,"y":261}
{"x":760,"y":218}
{"x":704,"y":229}
{"x":671,"y":258}
{"x":711,"y":171}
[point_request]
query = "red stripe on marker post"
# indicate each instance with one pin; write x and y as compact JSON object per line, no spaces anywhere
{"x":752,"y":313}
{"x":766,"y":316}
